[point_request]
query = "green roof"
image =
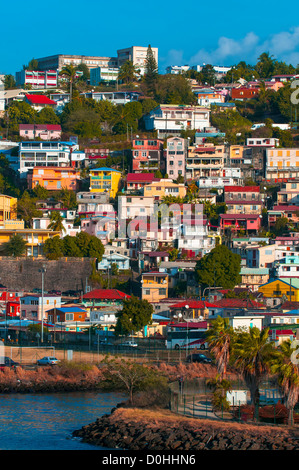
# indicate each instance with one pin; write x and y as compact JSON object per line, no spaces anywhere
{"x":253,"y":271}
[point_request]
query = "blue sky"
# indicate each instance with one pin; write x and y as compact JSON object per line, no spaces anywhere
{"x":194,"y":32}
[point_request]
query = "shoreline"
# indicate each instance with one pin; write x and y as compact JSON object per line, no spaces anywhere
{"x":135,"y":429}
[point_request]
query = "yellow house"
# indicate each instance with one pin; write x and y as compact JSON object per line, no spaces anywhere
{"x":154,"y":286}
{"x":104,"y":180}
{"x":8,"y":208}
{"x":35,"y":238}
{"x":287,"y":286}
{"x":165,"y":187}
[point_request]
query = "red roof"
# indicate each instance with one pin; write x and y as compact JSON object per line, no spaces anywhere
{"x":39,"y":99}
{"x":106,"y":294}
{"x":237,"y":303}
{"x":190,"y":325}
{"x":286,"y":208}
{"x":193,"y":304}
{"x":239,"y":216}
{"x":141,"y":177}
{"x":38,"y":127}
{"x":244,"y":189}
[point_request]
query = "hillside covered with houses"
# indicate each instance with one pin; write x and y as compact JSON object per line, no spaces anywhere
{"x":182,"y":189}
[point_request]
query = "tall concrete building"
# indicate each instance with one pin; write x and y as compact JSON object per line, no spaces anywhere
{"x":137,"y":55}
{"x":58,"y":61}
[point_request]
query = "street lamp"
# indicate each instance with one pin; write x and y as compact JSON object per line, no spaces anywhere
{"x":42,"y":271}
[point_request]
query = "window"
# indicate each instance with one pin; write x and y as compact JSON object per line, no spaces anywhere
{"x":162,"y":291}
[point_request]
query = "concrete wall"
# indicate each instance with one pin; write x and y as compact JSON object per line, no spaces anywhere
{"x":66,"y":273}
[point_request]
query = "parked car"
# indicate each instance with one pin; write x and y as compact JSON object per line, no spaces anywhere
{"x":8,"y":362}
{"x":71,"y":293}
{"x":130,"y":344}
{"x":54,"y":291}
{"x":195,"y":357}
{"x":102,"y":342}
{"x":47,"y":361}
{"x":37,"y":291}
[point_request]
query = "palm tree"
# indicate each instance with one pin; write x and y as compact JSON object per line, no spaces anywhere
{"x":253,"y":355}
{"x":56,"y":222}
{"x":128,"y":72}
{"x":287,"y":372}
{"x":69,"y":72}
{"x":220,"y":338}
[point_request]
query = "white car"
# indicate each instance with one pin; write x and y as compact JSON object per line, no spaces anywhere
{"x":130,"y":344}
{"x":47,"y":361}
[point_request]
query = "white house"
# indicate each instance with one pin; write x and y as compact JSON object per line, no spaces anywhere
{"x":170,"y":119}
{"x":121,"y":261}
{"x":45,"y":153}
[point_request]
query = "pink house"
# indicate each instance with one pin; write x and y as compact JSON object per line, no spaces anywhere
{"x":248,"y":222}
{"x":40,"y":131}
{"x":176,"y":153}
{"x":147,"y":154}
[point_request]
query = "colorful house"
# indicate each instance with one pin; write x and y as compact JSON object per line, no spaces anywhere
{"x":54,"y":178}
{"x":98,"y":299}
{"x":154,"y":286}
{"x":147,"y":154}
{"x":66,"y":313}
{"x":35,"y":238}
{"x":8,"y":208}
{"x":105,"y":180}
{"x":279,"y":288}
{"x":137,"y":181}
{"x":247,"y":222}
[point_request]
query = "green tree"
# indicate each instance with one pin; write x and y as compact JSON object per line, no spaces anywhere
{"x":16,"y":246}
{"x":265,"y":65}
{"x":70,"y":247}
{"x":47,"y":115}
{"x":40,"y":192}
{"x":134,"y":316}
{"x":128,"y":72}
{"x":174,"y":89}
{"x":67,"y":197}
{"x":219,"y":268}
{"x":69,"y":73}
{"x":53,"y":248}
{"x":32,"y":65}
{"x":27,"y":210}
{"x":220,"y":340}
{"x":132,"y":377}
{"x":286,"y":368}
{"x":56,"y":222}
{"x":9,"y":82}
{"x":253,"y":355}
{"x":86,"y":73}
{"x":151,"y":70}
{"x":208,"y":74}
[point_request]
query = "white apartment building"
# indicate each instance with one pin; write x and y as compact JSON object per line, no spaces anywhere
{"x":130,"y":207}
{"x":282,"y":163}
{"x":171,"y":119}
{"x":195,"y":236}
{"x":45,"y":153}
{"x":37,"y":79}
{"x":103,"y":74}
{"x":58,"y":61}
{"x":137,"y":55}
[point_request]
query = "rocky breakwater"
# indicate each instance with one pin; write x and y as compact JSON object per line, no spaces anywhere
{"x":137,"y":429}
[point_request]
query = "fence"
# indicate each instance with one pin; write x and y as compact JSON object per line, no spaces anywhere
{"x":194,"y":398}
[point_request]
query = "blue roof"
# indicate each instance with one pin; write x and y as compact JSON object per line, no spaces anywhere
{"x":71,"y":309}
{"x":104,"y":169}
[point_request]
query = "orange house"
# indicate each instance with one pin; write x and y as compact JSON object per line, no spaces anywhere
{"x":54,"y":177}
